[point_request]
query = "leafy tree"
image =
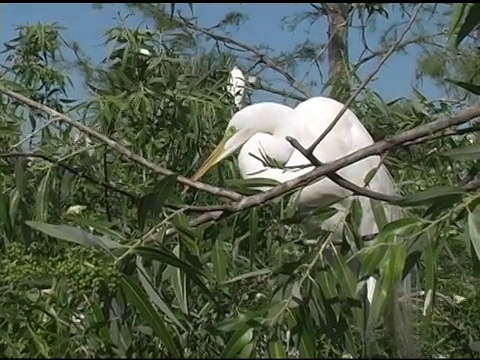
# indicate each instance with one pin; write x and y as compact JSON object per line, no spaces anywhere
{"x":105,"y":254}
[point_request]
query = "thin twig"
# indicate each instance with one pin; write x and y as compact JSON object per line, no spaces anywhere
{"x":446,"y":133}
{"x":365,"y":82}
{"x":214,"y":190}
{"x":82,"y":174}
{"x":69,"y":168}
{"x":262,"y":56}
{"x":340,"y":180}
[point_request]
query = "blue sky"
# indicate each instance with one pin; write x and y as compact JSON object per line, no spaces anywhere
{"x":87,"y":25}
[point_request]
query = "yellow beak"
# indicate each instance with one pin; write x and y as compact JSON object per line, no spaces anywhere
{"x":215,"y":157}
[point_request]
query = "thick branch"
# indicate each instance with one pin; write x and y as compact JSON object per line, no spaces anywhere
{"x":214,"y":190}
{"x":375,"y":149}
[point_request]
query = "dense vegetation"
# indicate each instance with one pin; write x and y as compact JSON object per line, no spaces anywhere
{"x":103,"y":253}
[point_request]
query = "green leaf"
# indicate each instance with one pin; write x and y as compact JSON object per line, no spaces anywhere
{"x":430,"y":195}
{"x":249,"y":275}
{"x":457,"y":16}
{"x":5,"y":219}
{"x":398,"y":226}
{"x":65,"y":184}
{"x":103,"y":227}
{"x":276,"y":350}
{"x":475,"y":89}
{"x":172,"y":260}
{"x":40,"y":344}
{"x":471,"y":152}
{"x":219,"y":260}
{"x":42,"y":198}
{"x":73,"y":234}
{"x":237,"y":342}
{"x":154,"y":295}
{"x":20,"y":177}
{"x":474,"y":229}
{"x":151,"y":204}
{"x":471,"y":21}
{"x":165,"y":257}
{"x":378,"y":210}
{"x":150,"y":315}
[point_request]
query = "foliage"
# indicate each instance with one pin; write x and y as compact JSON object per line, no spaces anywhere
{"x":91,"y":271}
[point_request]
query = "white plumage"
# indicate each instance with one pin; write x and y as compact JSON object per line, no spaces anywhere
{"x":265,"y":125}
{"x":236,"y":86}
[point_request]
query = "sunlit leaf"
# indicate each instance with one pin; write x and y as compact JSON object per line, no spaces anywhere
{"x":73,"y":234}
{"x":237,"y":342}
{"x":276,"y":350}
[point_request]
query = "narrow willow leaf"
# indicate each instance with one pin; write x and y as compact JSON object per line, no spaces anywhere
{"x":378,"y":210}
{"x":73,"y":234}
{"x":470,"y":152}
{"x":430,"y":195}
{"x":473,"y":88}
{"x":166,"y":257}
{"x":20,"y":177}
{"x":250,"y":274}
{"x":471,"y":21}
{"x":154,"y":295}
{"x":150,"y":315}
{"x":307,"y":340}
{"x":237,"y":342}
{"x":219,"y":260}
{"x":253,"y":238}
{"x":457,"y":16}
{"x":178,"y":279}
{"x":42,"y":198}
{"x":246,"y":352}
{"x":103,"y":227}
{"x":40,"y":344}
{"x":65,"y":184}
{"x":151,"y":204}
{"x":399,"y":226}
{"x":474,"y":229}
{"x":276,"y":350}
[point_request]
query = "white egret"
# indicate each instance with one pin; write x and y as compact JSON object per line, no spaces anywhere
{"x":265,"y":126}
{"x":236,"y":86}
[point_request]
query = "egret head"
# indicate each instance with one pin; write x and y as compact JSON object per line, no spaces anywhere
{"x":270,"y":118}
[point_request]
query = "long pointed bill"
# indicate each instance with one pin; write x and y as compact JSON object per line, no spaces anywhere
{"x":215,"y":157}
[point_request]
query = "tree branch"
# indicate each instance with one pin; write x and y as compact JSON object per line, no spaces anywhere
{"x":214,"y":190}
{"x":262,"y":56}
{"x":69,"y":168}
{"x":105,"y":184}
{"x":377,"y":148}
{"x":401,"y":46}
{"x":365,"y":82}
{"x":340,"y":180}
